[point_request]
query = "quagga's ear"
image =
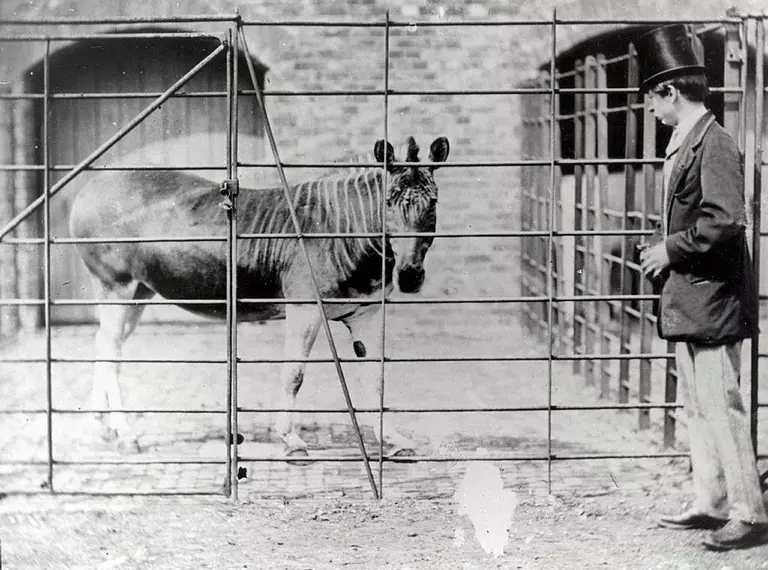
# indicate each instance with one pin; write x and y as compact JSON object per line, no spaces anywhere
{"x":378,"y":153}
{"x":438,"y":150}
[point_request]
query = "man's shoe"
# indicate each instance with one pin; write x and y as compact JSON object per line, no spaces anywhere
{"x":737,"y":534}
{"x":691,"y":519}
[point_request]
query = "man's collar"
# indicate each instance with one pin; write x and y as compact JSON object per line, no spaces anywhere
{"x":684,"y":127}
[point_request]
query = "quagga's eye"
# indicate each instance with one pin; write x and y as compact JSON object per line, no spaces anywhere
{"x":389,"y":202}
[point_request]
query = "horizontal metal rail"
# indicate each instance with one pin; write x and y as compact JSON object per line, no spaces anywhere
{"x":340,"y":165}
{"x":175,"y":493}
{"x":465,"y":164}
{"x":414,"y":25}
{"x":123,"y":360}
{"x":454,"y":457}
{"x":325,"y":235}
{"x":397,"y":410}
{"x":187,"y":19}
{"x":155,"y":239}
{"x":340,"y":300}
{"x":114,"y":95}
{"x":361,"y":93}
{"x":393,"y":359}
{"x":114,"y":36}
{"x":288,"y":93}
{"x":122,"y":462}
{"x":79,"y":411}
{"x":61,"y":167}
{"x":358,"y":93}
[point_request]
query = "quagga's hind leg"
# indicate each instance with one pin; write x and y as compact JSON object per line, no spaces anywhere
{"x":116,"y":323}
{"x":301,"y":325}
{"x":365,"y":328}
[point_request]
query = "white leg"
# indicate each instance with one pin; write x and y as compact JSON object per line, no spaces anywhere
{"x":109,"y":344}
{"x":365,"y":328}
{"x":301,"y":325}
{"x":116,"y":323}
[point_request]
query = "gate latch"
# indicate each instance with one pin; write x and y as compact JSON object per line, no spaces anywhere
{"x":229,"y":189}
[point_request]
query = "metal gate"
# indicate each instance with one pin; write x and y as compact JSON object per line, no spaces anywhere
{"x":594,"y":307}
{"x":542,"y":234}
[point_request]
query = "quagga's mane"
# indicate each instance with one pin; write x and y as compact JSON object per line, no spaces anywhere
{"x":343,"y":201}
{"x":346,"y":200}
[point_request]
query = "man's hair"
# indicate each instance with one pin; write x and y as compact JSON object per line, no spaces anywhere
{"x":693,"y":87}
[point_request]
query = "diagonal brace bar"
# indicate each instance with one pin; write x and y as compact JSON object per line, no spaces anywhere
{"x":7,"y":228}
{"x":303,"y":246}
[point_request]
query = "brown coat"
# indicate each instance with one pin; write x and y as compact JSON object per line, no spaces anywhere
{"x":709,"y":295}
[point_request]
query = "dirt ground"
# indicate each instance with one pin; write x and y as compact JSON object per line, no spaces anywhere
{"x":611,"y":530}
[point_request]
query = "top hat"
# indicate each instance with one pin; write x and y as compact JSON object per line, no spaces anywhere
{"x":668,"y":52}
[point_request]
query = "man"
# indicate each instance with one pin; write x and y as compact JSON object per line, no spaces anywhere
{"x":708,"y":305}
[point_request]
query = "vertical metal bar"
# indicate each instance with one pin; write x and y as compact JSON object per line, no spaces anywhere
{"x":557,"y":193}
{"x":47,"y":260}
{"x":627,"y":274}
{"x":26,"y":185}
{"x":578,"y":219}
{"x":646,"y":329}
{"x":551,"y":243}
{"x":670,"y":396}
{"x":603,"y":271}
{"x":590,"y":270}
{"x":525,"y":225}
{"x":230,"y":437}
{"x":531,"y":189}
{"x":757,"y":210}
{"x":670,"y":370}
{"x":9,"y":315}
{"x":305,"y":253}
{"x":541,"y":205}
{"x":384,"y":257}
{"x":733,"y":103}
{"x":233,"y":252}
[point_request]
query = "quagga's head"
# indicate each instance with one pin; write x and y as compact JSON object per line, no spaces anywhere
{"x":411,"y":207}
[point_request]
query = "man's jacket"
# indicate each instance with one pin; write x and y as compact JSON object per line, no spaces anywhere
{"x":709,"y":295}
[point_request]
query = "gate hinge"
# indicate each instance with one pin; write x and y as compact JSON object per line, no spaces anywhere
{"x":229,"y":189}
{"x":733,"y":56}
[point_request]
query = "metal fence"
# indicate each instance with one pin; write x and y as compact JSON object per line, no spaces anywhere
{"x":596,"y":308}
{"x":543,"y":285}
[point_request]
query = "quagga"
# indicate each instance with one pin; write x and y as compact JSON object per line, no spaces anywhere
{"x":171,"y":203}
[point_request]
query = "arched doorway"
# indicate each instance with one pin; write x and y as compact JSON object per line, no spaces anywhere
{"x":185,"y":131}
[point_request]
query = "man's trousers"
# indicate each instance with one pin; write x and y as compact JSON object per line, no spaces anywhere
{"x":725,"y":473}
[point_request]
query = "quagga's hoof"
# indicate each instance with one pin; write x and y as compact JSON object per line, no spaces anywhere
{"x":402,"y":454}
{"x":298,"y":453}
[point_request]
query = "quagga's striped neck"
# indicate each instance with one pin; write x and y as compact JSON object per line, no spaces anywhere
{"x":345,"y":202}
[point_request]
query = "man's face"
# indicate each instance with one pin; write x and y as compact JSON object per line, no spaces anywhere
{"x":662,"y":105}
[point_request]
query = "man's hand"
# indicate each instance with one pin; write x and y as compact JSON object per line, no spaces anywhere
{"x":654,"y":260}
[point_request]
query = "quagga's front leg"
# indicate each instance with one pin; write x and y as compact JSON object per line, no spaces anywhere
{"x":365,"y":328}
{"x":301,"y":325}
